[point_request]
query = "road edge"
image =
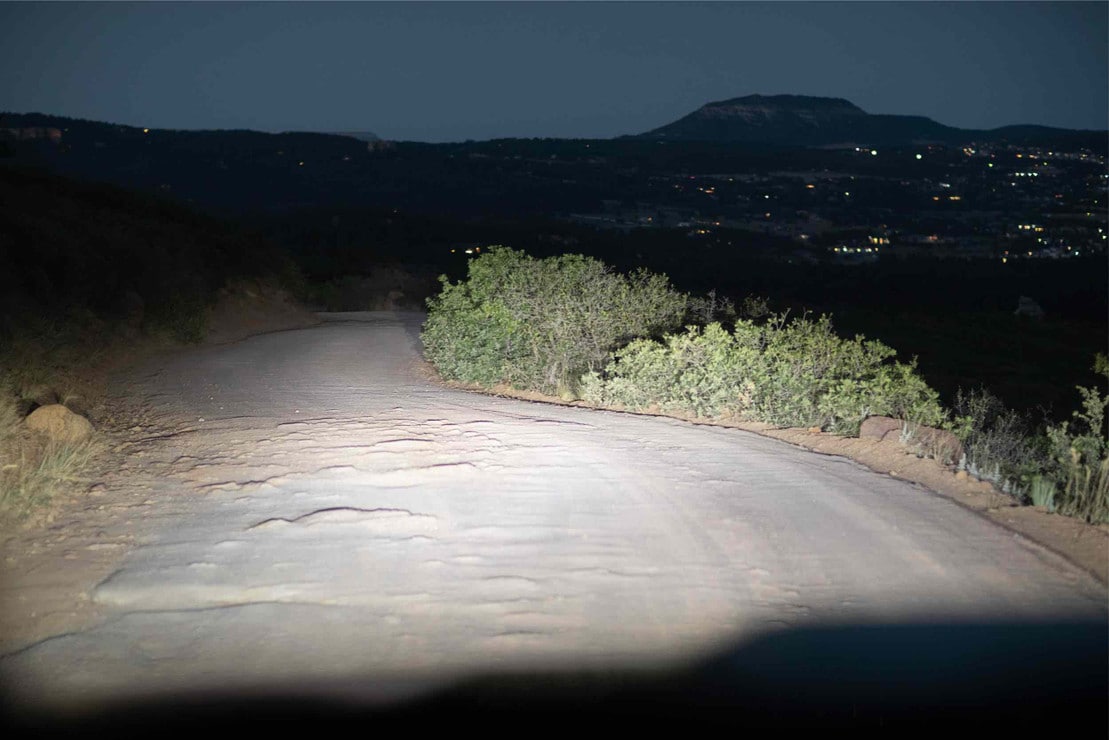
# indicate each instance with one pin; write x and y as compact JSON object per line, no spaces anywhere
{"x":1085,"y":546}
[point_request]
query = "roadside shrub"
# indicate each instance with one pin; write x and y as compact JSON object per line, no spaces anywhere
{"x":1064,"y":468}
{"x":706,"y":372}
{"x":710,"y":308}
{"x":1079,"y":452}
{"x":541,"y":324}
{"x":184,"y":317}
{"x":998,"y":443}
{"x":798,"y":373}
{"x":816,"y":378}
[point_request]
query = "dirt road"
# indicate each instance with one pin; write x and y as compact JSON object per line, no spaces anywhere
{"x":323,"y":516}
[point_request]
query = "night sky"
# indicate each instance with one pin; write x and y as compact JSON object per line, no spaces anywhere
{"x":455,"y":71}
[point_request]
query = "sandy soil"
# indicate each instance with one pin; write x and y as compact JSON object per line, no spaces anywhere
{"x":306,"y":507}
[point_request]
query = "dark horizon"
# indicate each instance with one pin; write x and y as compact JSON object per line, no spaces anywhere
{"x":455,"y":71}
{"x":373,"y":136}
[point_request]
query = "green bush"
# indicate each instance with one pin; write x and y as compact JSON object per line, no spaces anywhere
{"x":705,"y":372}
{"x":798,"y":373}
{"x":1080,"y":456}
{"x":551,"y":324}
{"x":183,"y":316}
{"x":1064,"y":468}
{"x":541,"y":324}
{"x":816,"y":378}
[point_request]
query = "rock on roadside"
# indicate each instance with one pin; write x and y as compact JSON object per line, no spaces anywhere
{"x":938,"y":443}
{"x":880,"y":427}
{"x":59,"y":424}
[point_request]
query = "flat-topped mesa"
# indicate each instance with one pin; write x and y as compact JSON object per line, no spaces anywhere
{"x":797,"y":120}
{"x":767,"y":108}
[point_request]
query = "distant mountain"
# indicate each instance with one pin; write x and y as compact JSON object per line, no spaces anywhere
{"x":360,"y":135}
{"x":237,"y":172}
{"x":800,"y":120}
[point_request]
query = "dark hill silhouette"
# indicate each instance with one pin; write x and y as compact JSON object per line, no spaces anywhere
{"x":414,"y":203}
{"x":799,"y":120}
{"x":235,"y":172}
{"x":79,"y":249}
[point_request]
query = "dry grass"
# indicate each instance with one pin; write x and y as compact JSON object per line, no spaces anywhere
{"x":9,"y":416}
{"x":39,"y":472}
{"x":33,"y":471}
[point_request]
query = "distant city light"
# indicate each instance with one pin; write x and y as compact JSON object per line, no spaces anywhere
{"x":920,"y":156}
{"x":146,"y":131}
{"x":874,"y":152}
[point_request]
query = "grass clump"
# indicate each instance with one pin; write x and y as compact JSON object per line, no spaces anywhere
{"x":32,"y":470}
{"x":540,"y":324}
{"x":9,"y":413}
{"x":38,"y":473}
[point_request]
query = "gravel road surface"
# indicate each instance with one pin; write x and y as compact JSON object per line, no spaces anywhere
{"x":325,"y":518}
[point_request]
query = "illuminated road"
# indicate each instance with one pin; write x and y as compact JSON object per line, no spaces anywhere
{"x":323,"y":516}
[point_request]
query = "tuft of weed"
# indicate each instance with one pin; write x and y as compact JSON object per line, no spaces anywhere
{"x":38,"y":474}
{"x":1041,"y":492}
{"x":9,"y":415}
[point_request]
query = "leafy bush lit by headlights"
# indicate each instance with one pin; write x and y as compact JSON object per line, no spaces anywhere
{"x":541,"y":324}
{"x":798,"y":373}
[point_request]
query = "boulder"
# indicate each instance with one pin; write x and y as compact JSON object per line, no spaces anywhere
{"x":880,"y":427}
{"x":938,"y":443}
{"x":59,"y":424}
